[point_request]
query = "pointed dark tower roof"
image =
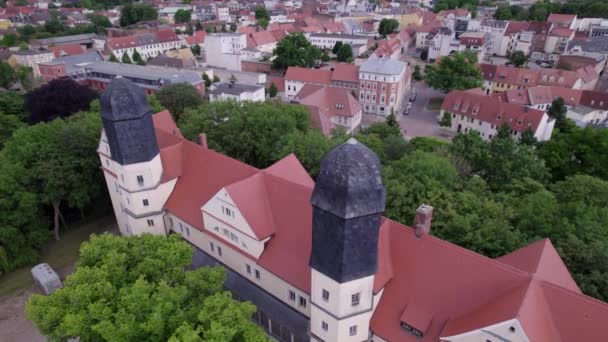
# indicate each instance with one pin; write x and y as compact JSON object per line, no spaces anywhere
{"x":127,"y":121}
{"x":123,"y":100}
{"x":349,"y":183}
{"x":348,"y":201}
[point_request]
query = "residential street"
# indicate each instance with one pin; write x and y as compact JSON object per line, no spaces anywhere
{"x":420,"y":121}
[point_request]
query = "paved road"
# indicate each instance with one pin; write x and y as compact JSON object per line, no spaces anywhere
{"x":420,"y":121}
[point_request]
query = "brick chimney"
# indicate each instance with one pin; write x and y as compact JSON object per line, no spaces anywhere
{"x":202,"y":140}
{"x":422,"y":221}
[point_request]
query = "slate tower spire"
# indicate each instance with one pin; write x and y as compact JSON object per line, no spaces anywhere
{"x":348,"y":201}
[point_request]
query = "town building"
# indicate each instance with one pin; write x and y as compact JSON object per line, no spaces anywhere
{"x":338,"y":75}
{"x":500,"y":78}
{"x":585,"y":107}
{"x":330,"y":107}
{"x":224,"y":50}
{"x":150,"y":78}
{"x":477,"y":42}
{"x":382,"y":85}
{"x":496,"y":30}
{"x":88,"y":40}
{"x":73,"y":67}
{"x":358,"y":44}
{"x":31,"y":58}
{"x":148,"y":44}
{"x":236,"y":92}
{"x":318,"y":259}
{"x":473,"y":110}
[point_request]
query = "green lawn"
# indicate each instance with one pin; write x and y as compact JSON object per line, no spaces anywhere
{"x":434,"y":103}
{"x":61,"y":255}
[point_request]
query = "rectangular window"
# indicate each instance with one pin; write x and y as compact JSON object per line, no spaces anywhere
{"x":233,"y":237}
{"x":257,"y":274}
{"x":324,"y":325}
{"x":150,"y":223}
{"x":354,"y":299}
{"x":226,"y":232}
{"x":302,"y":302}
{"x":292,"y":295}
{"x":170,"y":221}
{"x":219,"y":250}
{"x":140,"y":180}
{"x":325,"y":294}
{"x":212,"y":246}
{"x":352,"y":331}
{"x":248,"y":267}
{"x":146,"y":203}
{"x":187,"y":231}
{"x":181,"y":227}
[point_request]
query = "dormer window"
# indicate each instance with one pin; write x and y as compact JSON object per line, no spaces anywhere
{"x":456,"y":106}
{"x":551,"y":79}
{"x":499,"y":116}
{"x":561,"y":79}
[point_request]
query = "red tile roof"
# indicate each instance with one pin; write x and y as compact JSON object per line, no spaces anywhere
{"x":345,"y":72}
{"x":262,"y":38}
{"x":330,"y":100}
{"x":386,"y":47}
{"x":68,"y":50}
{"x":198,"y":37}
{"x":278,"y":81}
{"x":516,"y":27}
{"x":561,"y":32}
{"x":307,"y":75}
{"x":556,"y":18}
{"x":530,"y":78}
{"x":428,"y":282}
{"x":492,"y":110}
{"x":541,"y":260}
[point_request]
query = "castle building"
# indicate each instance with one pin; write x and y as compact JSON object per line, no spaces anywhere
{"x":319,"y":260}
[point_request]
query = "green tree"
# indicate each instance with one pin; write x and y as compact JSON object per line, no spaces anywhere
{"x":336,"y":47}
{"x":391,"y":120}
{"x":11,"y":103}
{"x":263,"y":23}
{"x":345,"y":53}
{"x":7,"y":75}
{"x":59,"y":98}
{"x":137,"y":58}
{"x":10,"y":39}
{"x":154,"y":104}
{"x":250,"y":132}
{"x":261,"y":13}
{"x":446,"y":120}
{"x":126,"y":59}
{"x":113,"y":58}
{"x":295,"y":50}
{"x":309,"y":147}
{"x":177,"y":98}
{"x":387,"y":26}
{"x":133,"y":13}
{"x":272,"y":90}
{"x":8,"y":124}
{"x":417,"y":73}
{"x":528,"y":138}
{"x":577,"y":151}
{"x":152,"y":292}
{"x":517,"y":58}
{"x":455,"y":72}
{"x":196,"y":49}
{"x":182,"y":16}
{"x":100,"y":22}
{"x":558,"y":111}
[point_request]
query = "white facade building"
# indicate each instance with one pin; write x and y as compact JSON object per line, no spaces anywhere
{"x":237,"y":92}
{"x":32,"y":58}
{"x":224,"y":50}
{"x":383,"y":83}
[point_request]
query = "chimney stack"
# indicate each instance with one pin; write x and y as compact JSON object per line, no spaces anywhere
{"x":202,"y":140}
{"x":422,"y":221}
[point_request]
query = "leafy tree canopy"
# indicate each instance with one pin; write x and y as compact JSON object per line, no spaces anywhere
{"x":59,"y":98}
{"x":387,"y":26}
{"x":455,"y":72}
{"x":295,"y":50}
{"x":179,"y":97}
{"x":133,"y":13}
{"x":518,"y":58}
{"x":182,"y":16}
{"x":136,"y":289}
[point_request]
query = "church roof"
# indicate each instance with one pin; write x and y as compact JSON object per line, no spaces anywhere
{"x":427,"y":283}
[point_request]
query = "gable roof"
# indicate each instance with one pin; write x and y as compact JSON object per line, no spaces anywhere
{"x":472,"y":103}
{"x":307,"y":75}
{"x":426,"y":282}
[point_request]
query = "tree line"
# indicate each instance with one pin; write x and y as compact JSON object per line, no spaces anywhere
{"x":540,"y":10}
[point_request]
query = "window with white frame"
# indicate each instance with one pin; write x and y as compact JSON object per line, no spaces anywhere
{"x":212,"y":246}
{"x":150,"y":223}
{"x":292,"y":295}
{"x":352,"y":331}
{"x":302,"y":302}
{"x":248,"y":268}
{"x":140,"y":180}
{"x":146,"y":203}
{"x":257,"y":274}
{"x":324,"y":325}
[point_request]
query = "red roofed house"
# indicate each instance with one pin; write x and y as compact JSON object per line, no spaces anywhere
{"x":331,"y":107}
{"x":148,"y":45}
{"x":499,"y":78}
{"x":558,"y":39}
{"x":473,"y":110}
{"x":263,"y":41}
{"x":197,"y":37}
{"x":318,"y":260}
{"x":343,"y":75}
{"x":388,"y":48}
{"x":68,"y":50}
{"x":563,"y":20}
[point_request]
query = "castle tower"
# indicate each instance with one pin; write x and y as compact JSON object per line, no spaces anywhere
{"x":348,"y":201}
{"x":130,"y":158}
